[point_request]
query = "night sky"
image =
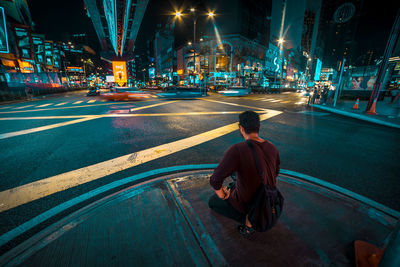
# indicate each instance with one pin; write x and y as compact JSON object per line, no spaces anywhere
{"x":59,"y":19}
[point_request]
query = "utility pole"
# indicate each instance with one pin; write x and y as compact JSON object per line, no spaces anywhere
{"x":394,"y":35}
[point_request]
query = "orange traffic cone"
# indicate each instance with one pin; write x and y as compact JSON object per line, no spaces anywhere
{"x":356,"y":104}
{"x":372,"y":109}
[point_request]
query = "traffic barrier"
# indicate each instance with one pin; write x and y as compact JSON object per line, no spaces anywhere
{"x":356,"y":104}
{"x":372,"y":109}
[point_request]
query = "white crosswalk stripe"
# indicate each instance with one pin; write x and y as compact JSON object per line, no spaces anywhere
{"x":60,"y":104}
{"x":77,"y":102}
{"x":44,"y":105}
{"x":91,"y":101}
{"x":23,"y":107}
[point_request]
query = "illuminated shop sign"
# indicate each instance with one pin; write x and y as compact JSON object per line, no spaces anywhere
{"x":3,"y":33}
{"x":318,"y":70}
{"x":24,"y":41}
{"x":74,"y":69}
{"x":119,"y":71}
{"x":48,"y":52}
{"x":152,"y":73}
{"x":38,"y":47}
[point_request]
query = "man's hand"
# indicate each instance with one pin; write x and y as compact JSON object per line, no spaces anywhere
{"x":223,"y":193}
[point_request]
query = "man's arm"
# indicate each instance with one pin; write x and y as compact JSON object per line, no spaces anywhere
{"x":226,"y":167}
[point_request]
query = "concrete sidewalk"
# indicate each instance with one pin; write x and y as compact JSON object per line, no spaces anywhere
{"x":385,"y":110}
{"x":166,"y":221}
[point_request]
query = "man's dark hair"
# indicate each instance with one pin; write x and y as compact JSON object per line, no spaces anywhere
{"x":250,"y":121}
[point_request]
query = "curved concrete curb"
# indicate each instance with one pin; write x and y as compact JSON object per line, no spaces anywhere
{"x":12,"y":234}
{"x":356,"y":116}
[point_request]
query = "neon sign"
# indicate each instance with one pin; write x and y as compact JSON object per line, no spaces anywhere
{"x":3,"y":33}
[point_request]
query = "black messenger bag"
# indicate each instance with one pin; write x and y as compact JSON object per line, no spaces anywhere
{"x":267,"y":203}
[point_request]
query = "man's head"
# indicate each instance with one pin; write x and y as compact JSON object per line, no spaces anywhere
{"x":249,"y":122}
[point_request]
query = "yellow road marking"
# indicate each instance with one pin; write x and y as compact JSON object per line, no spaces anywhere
{"x":287,"y":101}
{"x":60,"y":104}
{"x":232,"y":104}
{"x":83,"y":106}
{"x":44,"y":105}
{"x":275,"y":100}
{"x":29,"y":192}
{"x":23,"y":107}
{"x":77,"y":102}
{"x":56,"y":125}
{"x":91,"y":101}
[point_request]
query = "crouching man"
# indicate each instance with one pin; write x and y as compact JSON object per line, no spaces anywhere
{"x":255,"y":161}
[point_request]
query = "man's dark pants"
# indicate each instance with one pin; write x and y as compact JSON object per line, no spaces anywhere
{"x":225,"y":208}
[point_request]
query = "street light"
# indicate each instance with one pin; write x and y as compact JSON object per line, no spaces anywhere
{"x":189,"y":43}
{"x":192,"y":10}
{"x":210,"y":14}
{"x":281,"y":41}
{"x":178,"y":14}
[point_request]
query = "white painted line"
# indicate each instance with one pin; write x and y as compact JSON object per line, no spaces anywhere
{"x":6,"y":107}
{"x":233,"y":104}
{"x":47,"y":127}
{"x":29,"y":192}
{"x":52,"y":126}
{"x":265,"y":100}
{"x":44,"y":105}
{"x":275,"y":100}
{"x":77,"y":102}
{"x":60,"y":104}
{"x":285,"y":102}
{"x":23,"y":107}
{"x":299,"y":103}
{"x":91,"y":101}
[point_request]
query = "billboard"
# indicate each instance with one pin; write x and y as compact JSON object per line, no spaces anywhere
{"x":152,"y":73}
{"x":318,"y":70}
{"x":119,"y":70}
{"x":24,"y":41}
{"x":56,"y":56}
{"x":3,"y":32}
{"x":48,"y":53}
{"x":38,"y":47}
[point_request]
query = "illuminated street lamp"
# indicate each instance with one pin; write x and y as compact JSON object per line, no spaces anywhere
{"x":210,"y":14}
{"x":281,"y":41}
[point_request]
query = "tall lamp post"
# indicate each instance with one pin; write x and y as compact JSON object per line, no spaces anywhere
{"x":179,"y":14}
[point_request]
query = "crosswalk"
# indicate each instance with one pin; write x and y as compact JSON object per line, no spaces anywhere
{"x":269,"y":100}
{"x":61,"y":104}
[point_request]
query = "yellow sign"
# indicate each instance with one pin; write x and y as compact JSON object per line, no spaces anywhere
{"x":119,"y":70}
{"x":179,"y":72}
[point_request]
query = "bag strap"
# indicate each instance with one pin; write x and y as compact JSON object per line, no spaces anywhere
{"x":260,"y":171}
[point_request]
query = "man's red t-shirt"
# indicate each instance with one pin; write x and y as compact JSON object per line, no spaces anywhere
{"x":239,"y":158}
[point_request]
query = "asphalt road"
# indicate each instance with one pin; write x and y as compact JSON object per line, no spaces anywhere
{"x":71,"y":136}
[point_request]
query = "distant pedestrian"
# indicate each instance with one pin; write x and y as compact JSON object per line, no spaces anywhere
{"x":325,"y":95}
{"x":256,"y":163}
{"x":28,"y":92}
